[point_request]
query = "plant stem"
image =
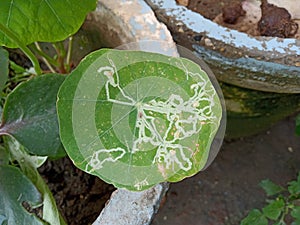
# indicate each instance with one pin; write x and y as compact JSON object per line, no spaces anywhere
{"x":61,"y":53}
{"x":36,"y":47}
{"x":13,"y":37}
{"x":47,"y":59}
{"x":70,"y":48}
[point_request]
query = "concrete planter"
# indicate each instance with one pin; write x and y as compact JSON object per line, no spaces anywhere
{"x":260,"y":76}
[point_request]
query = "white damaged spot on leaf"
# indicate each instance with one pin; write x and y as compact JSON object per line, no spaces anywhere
{"x":104,"y":155}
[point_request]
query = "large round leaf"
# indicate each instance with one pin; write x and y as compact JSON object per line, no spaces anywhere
{"x":30,"y":116}
{"x":42,"y":20}
{"x":136,"y":119}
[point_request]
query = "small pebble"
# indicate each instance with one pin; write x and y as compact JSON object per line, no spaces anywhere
{"x":208,"y":42}
{"x":180,"y":30}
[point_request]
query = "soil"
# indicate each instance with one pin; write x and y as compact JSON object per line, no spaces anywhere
{"x":79,"y":196}
{"x":210,"y":9}
{"x":245,"y":16}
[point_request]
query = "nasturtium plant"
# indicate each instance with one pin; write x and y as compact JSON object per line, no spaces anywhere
{"x":42,"y":20}
{"x":136,"y":118}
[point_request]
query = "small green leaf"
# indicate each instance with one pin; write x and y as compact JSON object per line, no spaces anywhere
{"x":255,"y":217}
{"x":18,"y":153}
{"x":294,"y":186}
{"x":29,"y":115}
{"x":3,"y":67}
{"x":298,"y":125}
{"x":42,"y":20}
{"x":296,"y":213}
{"x":274,"y":209}
{"x":270,"y":187}
{"x":136,"y":119}
{"x":16,"y":68}
{"x":15,"y":189}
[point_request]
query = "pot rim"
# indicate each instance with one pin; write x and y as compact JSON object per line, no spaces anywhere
{"x":273,"y":46}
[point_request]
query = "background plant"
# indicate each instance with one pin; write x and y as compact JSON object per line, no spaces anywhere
{"x":284,"y":202}
{"x":283,"y":205}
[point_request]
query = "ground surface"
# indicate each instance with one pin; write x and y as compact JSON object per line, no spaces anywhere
{"x":79,"y":195}
{"x":228,"y":189}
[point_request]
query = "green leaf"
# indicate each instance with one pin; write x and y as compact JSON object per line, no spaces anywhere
{"x":295,"y":213}
{"x":29,"y":165}
{"x":136,"y":119}
{"x":274,"y":209}
{"x":255,"y":217}
{"x":29,"y":115}
{"x":298,"y":125}
{"x":16,"y":68}
{"x":294,"y":186}
{"x":270,"y":187}
{"x":42,"y":20}
{"x":18,"y":153}
{"x":16,"y":188}
{"x":4,"y":62}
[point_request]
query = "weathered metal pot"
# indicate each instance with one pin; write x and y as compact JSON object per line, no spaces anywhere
{"x":260,"y":76}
